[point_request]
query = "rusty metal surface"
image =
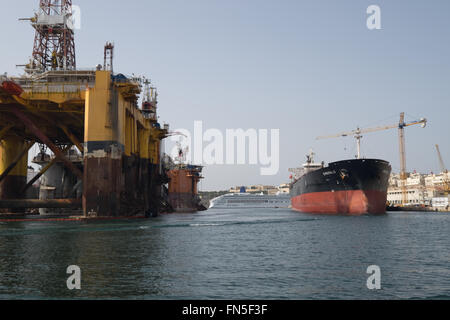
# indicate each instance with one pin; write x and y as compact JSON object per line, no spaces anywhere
{"x":183,"y":191}
{"x":121,"y":187}
{"x":12,"y":88}
{"x":36,"y":204}
{"x":102,"y":186}
{"x":184,"y":202}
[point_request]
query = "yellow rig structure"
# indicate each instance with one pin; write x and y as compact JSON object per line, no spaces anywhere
{"x":61,"y":107}
{"x":98,"y":113}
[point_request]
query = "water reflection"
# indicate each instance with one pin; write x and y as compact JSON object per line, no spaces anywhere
{"x":113,"y":258}
{"x":251,"y":254}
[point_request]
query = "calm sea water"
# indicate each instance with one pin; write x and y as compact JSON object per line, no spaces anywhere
{"x":230,"y":254}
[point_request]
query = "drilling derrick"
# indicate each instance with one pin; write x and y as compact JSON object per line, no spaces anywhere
{"x":109,"y":57}
{"x":54,"y":44}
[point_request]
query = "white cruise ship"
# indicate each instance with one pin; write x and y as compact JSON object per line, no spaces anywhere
{"x":250,"y":200}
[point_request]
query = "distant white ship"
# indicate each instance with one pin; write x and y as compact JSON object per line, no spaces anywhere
{"x":250,"y":200}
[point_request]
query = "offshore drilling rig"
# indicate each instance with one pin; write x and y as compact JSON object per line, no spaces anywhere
{"x":116,"y":168}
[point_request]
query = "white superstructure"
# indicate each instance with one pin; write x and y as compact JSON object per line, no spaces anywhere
{"x":249,"y":200}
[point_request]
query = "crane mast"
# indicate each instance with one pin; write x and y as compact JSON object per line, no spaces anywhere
{"x":441,"y":161}
{"x":401,"y":144}
{"x":445,"y":179}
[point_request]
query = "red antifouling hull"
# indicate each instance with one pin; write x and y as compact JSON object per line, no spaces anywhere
{"x":350,"y":202}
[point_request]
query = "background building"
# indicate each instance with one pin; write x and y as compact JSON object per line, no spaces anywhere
{"x":422,"y":189}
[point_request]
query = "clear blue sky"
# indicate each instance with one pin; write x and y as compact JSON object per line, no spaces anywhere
{"x":307,"y":67}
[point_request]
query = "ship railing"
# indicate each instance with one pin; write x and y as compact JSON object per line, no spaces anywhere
{"x":48,"y":88}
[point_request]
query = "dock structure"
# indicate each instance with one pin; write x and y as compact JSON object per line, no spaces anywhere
{"x":183,"y":188}
{"x":97,"y":112}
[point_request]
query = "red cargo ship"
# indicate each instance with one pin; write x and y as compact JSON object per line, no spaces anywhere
{"x":349,"y":187}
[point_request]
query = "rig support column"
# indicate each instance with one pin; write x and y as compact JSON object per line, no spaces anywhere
{"x":102,"y":183}
{"x":11,"y":185}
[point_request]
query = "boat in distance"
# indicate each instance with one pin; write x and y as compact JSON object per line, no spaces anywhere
{"x":250,"y":200}
{"x":348,"y":187}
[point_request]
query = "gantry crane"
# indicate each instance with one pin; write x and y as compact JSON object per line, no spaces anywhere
{"x":444,"y":170}
{"x":401,"y":125}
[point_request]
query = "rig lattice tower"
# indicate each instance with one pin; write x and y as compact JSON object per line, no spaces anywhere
{"x":54,"y":43}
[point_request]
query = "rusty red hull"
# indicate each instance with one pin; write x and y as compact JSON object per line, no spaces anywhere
{"x":350,"y":202}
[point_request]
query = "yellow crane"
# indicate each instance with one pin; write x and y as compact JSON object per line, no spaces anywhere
{"x":401,"y":125}
{"x":444,"y":171}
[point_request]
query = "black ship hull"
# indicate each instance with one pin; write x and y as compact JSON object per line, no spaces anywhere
{"x":351,"y":187}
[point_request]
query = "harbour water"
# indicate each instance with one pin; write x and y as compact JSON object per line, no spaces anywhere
{"x":230,"y":254}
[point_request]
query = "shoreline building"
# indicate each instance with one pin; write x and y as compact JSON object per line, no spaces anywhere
{"x":429,"y":190}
